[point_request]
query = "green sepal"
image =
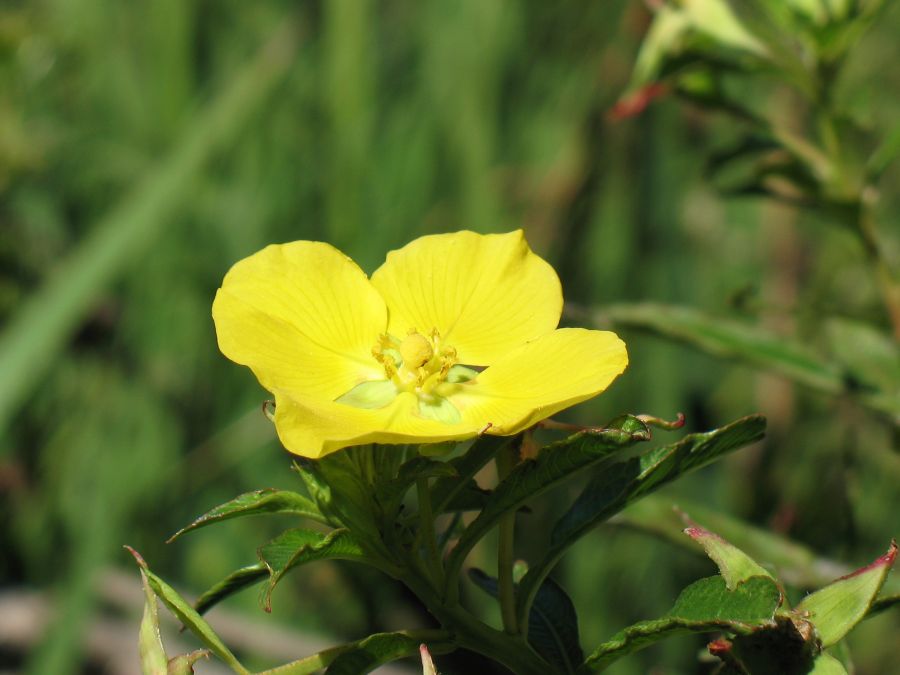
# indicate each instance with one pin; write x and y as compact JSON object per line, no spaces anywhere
{"x":439,"y":409}
{"x":459,"y":374}
{"x":370,"y":395}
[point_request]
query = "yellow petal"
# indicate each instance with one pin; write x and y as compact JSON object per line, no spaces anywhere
{"x":314,"y":431}
{"x":541,"y":378}
{"x":485,"y":294}
{"x":304,"y":317}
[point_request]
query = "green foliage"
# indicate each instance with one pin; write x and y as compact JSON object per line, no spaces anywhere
{"x":552,"y":622}
{"x":838,"y":607}
{"x":144,"y":148}
{"x":703,"y":607}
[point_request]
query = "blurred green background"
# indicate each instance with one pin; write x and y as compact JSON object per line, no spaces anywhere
{"x":146,"y":146}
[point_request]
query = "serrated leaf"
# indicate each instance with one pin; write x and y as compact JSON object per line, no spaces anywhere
{"x":296,"y":547}
{"x":837,"y":608}
{"x":552,"y":622}
{"x":234,"y":582}
{"x":555,"y":463}
{"x":620,"y":482}
{"x":254,"y":503}
{"x":704,"y":606}
{"x":745,"y":342}
{"x":734,"y":565}
{"x":189,"y":617}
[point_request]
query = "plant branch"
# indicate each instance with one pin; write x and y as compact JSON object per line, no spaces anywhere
{"x":506,"y":461}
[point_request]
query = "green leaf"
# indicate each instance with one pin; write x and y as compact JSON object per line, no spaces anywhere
{"x":366,"y":654}
{"x":735,"y":566}
{"x":704,"y":606}
{"x":554,"y":464}
{"x":552,"y":623}
{"x":826,"y":664}
{"x":293,"y":548}
{"x":715,"y":19}
{"x":189,"y":616}
{"x":342,"y":486}
{"x":234,"y":582}
{"x":742,"y":341}
{"x":794,"y":563}
{"x":445,"y":490}
{"x":391,"y":494}
{"x":255,"y":503}
{"x":837,"y":608}
{"x":620,"y":482}
{"x":376,"y":650}
{"x":153,"y":655}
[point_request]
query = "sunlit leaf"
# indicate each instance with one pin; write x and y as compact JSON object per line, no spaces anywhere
{"x":234,"y":582}
{"x":256,"y":503}
{"x":619,"y":483}
{"x":703,"y":607}
{"x":189,"y":617}
{"x":837,"y":608}
{"x":735,"y":566}
{"x":293,"y":548}
{"x":555,"y":463}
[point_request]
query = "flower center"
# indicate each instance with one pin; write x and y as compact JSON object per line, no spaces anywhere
{"x":418,"y":364}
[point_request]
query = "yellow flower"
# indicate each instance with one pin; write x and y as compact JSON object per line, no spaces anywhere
{"x":453,"y":336}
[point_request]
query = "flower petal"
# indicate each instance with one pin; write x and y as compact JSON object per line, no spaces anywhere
{"x":541,"y":378}
{"x":485,"y":294}
{"x":304,"y":317}
{"x":317,"y":431}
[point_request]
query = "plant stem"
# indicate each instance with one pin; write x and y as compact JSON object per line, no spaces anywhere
{"x":470,"y":633}
{"x":426,"y":530}
{"x":506,"y":461}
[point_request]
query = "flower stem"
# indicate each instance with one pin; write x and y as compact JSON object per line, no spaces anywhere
{"x":426,"y":530}
{"x":506,"y":462}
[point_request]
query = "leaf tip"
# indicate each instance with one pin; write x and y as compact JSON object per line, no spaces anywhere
{"x":137,"y":556}
{"x":886,"y":560}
